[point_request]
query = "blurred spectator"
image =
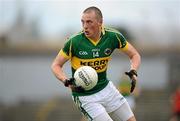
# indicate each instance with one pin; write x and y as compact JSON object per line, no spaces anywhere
{"x":176,"y":105}
{"x":125,"y":87}
{"x":3,"y":40}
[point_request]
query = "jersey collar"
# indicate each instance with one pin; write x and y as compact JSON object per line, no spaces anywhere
{"x":96,"y":42}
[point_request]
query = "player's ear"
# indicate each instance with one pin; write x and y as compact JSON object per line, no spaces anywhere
{"x":100,"y":22}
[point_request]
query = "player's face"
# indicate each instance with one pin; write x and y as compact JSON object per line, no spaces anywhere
{"x":91,"y":25}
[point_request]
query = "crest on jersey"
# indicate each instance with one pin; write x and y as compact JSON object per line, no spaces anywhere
{"x":107,"y":51}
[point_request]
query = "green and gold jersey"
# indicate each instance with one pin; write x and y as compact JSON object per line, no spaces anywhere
{"x":82,"y":51}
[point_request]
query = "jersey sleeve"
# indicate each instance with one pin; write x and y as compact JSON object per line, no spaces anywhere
{"x":66,"y":50}
{"x":122,"y":42}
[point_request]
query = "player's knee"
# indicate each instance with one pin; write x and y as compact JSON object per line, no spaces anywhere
{"x":132,"y":119}
{"x":103,"y":117}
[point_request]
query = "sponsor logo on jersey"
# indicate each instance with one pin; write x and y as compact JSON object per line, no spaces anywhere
{"x":97,"y":64}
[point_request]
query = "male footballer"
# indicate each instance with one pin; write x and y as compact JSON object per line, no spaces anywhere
{"x":93,"y":47}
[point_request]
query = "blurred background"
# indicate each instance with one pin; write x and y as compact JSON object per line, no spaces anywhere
{"x":33,"y":31}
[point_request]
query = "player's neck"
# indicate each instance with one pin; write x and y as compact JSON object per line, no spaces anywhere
{"x":95,"y":40}
{"x":97,"y":37}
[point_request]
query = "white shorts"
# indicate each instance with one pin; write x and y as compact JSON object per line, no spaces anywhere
{"x":131,"y":101}
{"x":107,"y":100}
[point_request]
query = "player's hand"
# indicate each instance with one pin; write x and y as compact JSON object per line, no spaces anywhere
{"x":70,"y":83}
{"x":133,"y":76}
{"x":75,"y":88}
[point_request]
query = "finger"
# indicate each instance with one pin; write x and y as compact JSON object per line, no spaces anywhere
{"x":126,"y":73}
{"x":134,"y":78}
{"x":133,"y":85}
{"x":132,"y":88}
{"x":129,"y":74}
{"x":79,"y":89}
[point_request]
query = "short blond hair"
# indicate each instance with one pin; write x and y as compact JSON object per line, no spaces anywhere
{"x":96,"y":10}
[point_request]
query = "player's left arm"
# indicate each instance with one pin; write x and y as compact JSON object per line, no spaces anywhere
{"x":129,"y":50}
{"x":135,"y":60}
{"x":133,"y":55}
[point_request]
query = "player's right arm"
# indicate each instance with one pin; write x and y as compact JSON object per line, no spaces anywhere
{"x":62,"y":57}
{"x":57,"y":67}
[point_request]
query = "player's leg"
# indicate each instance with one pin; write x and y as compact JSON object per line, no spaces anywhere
{"x":103,"y":117}
{"x":88,"y":113}
{"x":123,"y":113}
{"x":131,"y":101}
{"x":91,"y":110}
{"x":117,"y":106}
